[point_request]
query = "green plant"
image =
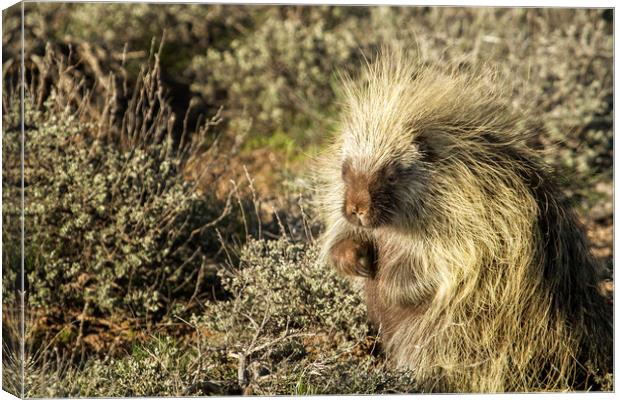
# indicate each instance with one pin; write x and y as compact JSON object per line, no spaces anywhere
{"x":112,"y":226}
{"x":307,"y":325}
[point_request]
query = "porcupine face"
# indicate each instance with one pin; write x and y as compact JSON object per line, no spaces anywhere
{"x":383,"y":195}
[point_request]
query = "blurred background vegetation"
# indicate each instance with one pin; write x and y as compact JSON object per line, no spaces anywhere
{"x":169,"y":227}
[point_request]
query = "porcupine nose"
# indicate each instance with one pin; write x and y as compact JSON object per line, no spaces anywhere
{"x":357,"y":212}
{"x":357,"y":202}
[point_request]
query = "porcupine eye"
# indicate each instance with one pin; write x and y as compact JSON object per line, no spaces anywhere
{"x":391,"y":173}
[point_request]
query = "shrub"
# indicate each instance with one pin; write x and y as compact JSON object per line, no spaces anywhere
{"x":291,"y":326}
{"x":112,"y":226}
{"x":279,"y":287}
{"x":281,"y":74}
{"x":296,"y":327}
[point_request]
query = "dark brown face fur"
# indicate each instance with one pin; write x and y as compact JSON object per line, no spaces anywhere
{"x":369,"y":199}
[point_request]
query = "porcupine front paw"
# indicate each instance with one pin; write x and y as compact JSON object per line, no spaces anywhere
{"x":354,"y":257}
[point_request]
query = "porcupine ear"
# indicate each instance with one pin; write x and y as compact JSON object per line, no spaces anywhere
{"x":346,"y":169}
{"x":427,"y":143}
{"x":427,"y":151}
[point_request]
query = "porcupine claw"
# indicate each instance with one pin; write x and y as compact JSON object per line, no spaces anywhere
{"x":353,"y":258}
{"x":365,"y":260}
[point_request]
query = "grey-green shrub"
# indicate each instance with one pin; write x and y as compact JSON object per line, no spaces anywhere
{"x":108,"y":227}
{"x":296,"y":324}
{"x":282,"y":285}
{"x":281,"y":74}
{"x":112,"y":225}
{"x":291,"y":326}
